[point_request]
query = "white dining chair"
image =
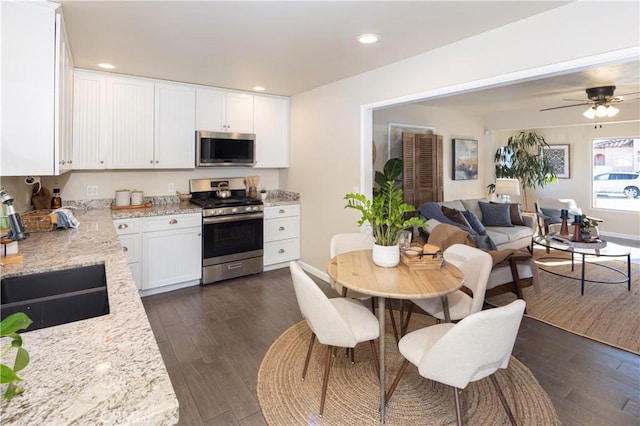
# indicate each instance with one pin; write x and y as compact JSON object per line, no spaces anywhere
{"x":476,"y":265}
{"x":457,"y":354}
{"x":346,"y":242}
{"x":337,"y":322}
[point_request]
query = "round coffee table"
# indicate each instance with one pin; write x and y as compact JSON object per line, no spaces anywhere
{"x":610,"y":250}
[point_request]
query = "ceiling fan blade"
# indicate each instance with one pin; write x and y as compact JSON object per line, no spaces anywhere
{"x":567,"y":106}
{"x":627,"y":94}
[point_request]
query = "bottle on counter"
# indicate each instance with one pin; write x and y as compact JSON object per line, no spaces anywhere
{"x":56,"y":201}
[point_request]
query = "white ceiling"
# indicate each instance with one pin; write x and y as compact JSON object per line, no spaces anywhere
{"x":293,"y":46}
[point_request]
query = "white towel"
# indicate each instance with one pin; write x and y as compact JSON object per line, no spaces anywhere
{"x":66,"y":219}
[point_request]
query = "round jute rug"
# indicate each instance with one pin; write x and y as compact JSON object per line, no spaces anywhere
{"x":353,"y":391}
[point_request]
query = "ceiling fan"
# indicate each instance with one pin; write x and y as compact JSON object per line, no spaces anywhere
{"x":601,"y":101}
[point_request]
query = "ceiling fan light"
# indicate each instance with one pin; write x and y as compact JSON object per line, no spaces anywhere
{"x":590,"y":113}
{"x":601,"y":111}
{"x":612,"y":111}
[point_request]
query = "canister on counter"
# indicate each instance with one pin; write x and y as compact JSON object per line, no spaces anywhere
{"x":136,"y":197}
{"x":123,"y":197}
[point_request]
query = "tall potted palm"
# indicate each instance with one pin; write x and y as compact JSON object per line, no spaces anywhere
{"x":387,"y":214}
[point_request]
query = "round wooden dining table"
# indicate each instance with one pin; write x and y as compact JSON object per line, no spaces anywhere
{"x":355,"y":270}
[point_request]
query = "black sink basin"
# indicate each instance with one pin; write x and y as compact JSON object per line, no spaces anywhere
{"x":57,"y":297}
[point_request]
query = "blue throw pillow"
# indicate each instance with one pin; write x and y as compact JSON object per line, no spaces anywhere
{"x":495,"y":214}
{"x":474,"y":222}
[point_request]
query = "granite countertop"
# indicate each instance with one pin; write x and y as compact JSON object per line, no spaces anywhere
{"x":103,"y":370}
{"x":156,"y":210}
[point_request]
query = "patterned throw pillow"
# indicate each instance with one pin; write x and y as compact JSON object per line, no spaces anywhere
{"x":495,"y":214}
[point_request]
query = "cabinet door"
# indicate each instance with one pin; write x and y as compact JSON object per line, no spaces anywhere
{"x":271,"y":126}
{"x":239,"y":108}
{"x":171,"y":257}
{"x":210,"y":110}
{"x":64,"y":99}
{"x":175,"y":110}
{"x":89,"y":121}
{"x":27,"y":81}
{"x":130,"y":114}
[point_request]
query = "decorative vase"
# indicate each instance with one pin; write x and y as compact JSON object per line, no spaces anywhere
{"x":386,"y":256}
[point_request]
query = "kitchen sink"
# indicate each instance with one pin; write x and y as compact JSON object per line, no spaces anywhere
{"x":56,"y":297}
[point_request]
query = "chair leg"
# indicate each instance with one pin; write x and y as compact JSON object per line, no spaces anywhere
{"x":503,"y":399}
{"x":456,"y":394}
{"x":325,"y":379}
{"x":351,"y":351}
{"x":373,"y":305}
{"x":405,"y":326}
{"x":392,"y":389}
{"x":306,"y":362}
{"x":393,"y":320}
{"x":374,"y":353}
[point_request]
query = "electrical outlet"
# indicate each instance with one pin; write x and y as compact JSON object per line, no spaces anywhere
{"x":92,"y":189}
{"x":171,"y":188}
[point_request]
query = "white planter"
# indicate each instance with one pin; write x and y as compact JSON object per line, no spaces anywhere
{"x":386,"y":256}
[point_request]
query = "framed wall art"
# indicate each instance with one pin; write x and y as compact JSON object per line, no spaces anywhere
{"x":558,"y":155}
{"x":465,"y":159}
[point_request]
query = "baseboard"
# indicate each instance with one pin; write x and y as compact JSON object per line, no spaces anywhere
{"x":630,"y":237}
{"x":315,"y":272}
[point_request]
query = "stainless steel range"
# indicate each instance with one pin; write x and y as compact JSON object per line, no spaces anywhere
{"x":232,"y":227}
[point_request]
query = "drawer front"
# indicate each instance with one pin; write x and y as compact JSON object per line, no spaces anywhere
{"x":169,"y":222}
{"x":127,"y":226}
{"x":281,"y":251}
{"x":274,"y":212}
{"x":131,"y":246}
{"x":281,"y":229}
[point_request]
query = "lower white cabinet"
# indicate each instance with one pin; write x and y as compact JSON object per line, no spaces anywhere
{"x":281,"y":235}
{"x":170,"y":250}
{"x":130,"y":234}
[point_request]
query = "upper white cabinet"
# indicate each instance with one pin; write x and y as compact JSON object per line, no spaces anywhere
{"x":224,"y":111}
{"x":132,"y":123}
{"x":175,"y":126}
{"x":271,"y":126}
{"x":36,"y":90}
{"x":130,"y":112}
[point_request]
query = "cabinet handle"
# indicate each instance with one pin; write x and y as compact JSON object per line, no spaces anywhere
{"x":173,"y":222}
{"x":281,"y":251}
{"x":151,"y":162}
{"x":123,"y":226}
{"x":281,"y":211}
{"x":70,"y":162}
{"x":125,"y":249}
{"x":101,"y":161}
{"x":281,"y":228}
{"x":157,"y":161}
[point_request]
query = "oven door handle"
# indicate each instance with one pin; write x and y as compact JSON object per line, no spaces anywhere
{"x":232,"y":218}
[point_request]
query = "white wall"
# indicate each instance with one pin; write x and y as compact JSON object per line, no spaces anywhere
{"x":330,"y":150}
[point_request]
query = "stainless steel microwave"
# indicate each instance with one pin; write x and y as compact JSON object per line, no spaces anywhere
{"x":215,"y":149}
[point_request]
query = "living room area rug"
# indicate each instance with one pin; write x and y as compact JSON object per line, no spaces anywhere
{"x":608,"y":313}
{"x":353,"y":390}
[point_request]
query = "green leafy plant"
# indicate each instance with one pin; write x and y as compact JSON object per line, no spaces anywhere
{"x":521,"y":159}
{"x":390,"y":174}
{"x":386,"y":212}
{"x":9,"y":328}
{"x":587,"y":223}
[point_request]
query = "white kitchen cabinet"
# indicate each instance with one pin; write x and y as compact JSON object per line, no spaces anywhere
{"x":271,"y":126}
{"x":281,"y":235}
{"x":171,"y":250}
{"x":224,"y":111}
{"x":89,"y":120}
{"x":130,"y":234}
{"x":35,"y":89}
{"x":175,"y":125}
{"x":130,"y":109}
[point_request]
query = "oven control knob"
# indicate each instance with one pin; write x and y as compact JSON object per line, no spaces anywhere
{"x":234,"y":210}
{"x":218,"y":212}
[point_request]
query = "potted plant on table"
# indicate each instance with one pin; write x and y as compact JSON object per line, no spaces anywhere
{"x":387,"y":214}
{"x":9,"y":328}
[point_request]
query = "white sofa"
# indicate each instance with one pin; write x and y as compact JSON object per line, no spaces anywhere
{"x":504,"y":237}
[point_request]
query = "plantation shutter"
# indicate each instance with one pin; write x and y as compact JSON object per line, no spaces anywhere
{"x":422,"y":174}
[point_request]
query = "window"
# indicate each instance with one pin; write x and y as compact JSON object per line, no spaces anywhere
{"x":616,"y":174}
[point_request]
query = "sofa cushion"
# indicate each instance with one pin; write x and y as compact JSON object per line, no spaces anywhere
{"x":433,"y":210}
{"x":502,"y":234}
{"x":495,"y":214}
{"x":455,"y":204}
{"x":497,"y":237}
{"x":472,"y":206}
{"x":475,"y":222}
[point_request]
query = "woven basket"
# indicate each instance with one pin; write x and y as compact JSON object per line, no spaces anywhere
{"x":38,"y":221}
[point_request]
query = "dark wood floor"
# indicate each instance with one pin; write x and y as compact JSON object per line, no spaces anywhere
{"x":213,"y":338}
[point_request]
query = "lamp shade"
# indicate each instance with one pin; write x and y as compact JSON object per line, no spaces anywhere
{"x":506,"y":186}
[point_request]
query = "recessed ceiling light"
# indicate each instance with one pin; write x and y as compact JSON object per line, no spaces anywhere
{"x":368,"y":38}
{"x":258,"y":88}
{"x":106,"y":66}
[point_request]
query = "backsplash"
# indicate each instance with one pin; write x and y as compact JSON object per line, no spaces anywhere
{"x":107,"y":202}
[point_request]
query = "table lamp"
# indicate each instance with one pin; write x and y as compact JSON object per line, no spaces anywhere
{"x":506,"y":188}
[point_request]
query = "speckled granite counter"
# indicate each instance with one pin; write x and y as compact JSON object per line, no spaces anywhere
{"x":104,"y":370}
{"x":156,"y":210}
{"x":280,"y":198}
